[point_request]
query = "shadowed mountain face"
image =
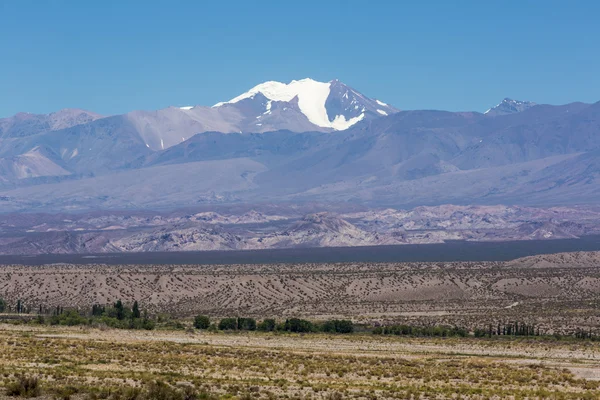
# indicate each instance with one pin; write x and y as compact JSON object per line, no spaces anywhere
{"x":298,"y":142}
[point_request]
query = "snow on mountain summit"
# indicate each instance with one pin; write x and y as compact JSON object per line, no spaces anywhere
{"x":509,"y":106}
{"x":313,"y":99}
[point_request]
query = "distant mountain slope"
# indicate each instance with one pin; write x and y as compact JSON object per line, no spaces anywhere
{"x":98,"y":147}
{"x":162,"y":186}
{"x":88,"y":145}
{"x":538,"y":132}
{"x":180,"y":156}
{"x":26,"y":124}
{"x":35,"y":163}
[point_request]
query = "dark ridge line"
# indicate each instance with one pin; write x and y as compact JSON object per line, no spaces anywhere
{"x":442,"y":252}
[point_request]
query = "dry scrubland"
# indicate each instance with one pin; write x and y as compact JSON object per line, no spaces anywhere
{"x":94,"y":364}
{"x":557,"y":292}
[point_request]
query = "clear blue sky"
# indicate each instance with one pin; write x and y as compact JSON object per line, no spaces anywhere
{"x":114,"y":56}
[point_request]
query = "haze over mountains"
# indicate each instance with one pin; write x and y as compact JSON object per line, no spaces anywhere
{"x":304,"y":141}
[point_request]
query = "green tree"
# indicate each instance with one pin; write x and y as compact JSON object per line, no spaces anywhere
{"x":136,"y":310}
{"x":298,"y":325}
{"x":120,"y":309}
{"x":338,"y":326}
{"x":97,"y":310}
{"x":228,"y":324}
{"x":201,"y":322}
{"x":246,"y":324}
{"x":267,"y":325}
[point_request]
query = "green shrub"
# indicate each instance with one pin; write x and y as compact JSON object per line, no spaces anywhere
{"x":201,"y":322}
{"x":69,"y":318}
{"x":228,"y":324}
{"x":267,"y":325}
{"x":409,"y":330}
{"x":338,"y":326}
{"x":298,"y":325}
{"x":246,"y":324}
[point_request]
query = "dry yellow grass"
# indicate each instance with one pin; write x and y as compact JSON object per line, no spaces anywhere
{"x":315,"y":366}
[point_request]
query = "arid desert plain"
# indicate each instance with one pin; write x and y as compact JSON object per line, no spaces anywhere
{"x":557,"y":297}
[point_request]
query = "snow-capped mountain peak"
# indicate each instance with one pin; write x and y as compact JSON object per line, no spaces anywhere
{"x":509,"y":106}
{"x":317,"y":100}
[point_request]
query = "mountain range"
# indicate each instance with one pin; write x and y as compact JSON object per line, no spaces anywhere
{"x":305,"y":141}
{"x":252,"y":227}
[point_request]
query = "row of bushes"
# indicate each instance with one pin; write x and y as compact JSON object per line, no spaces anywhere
{"x":73,"y":318}
{"x":510,"y":329}
{"x":117,"y":315}
{"x":431,"y":331}
{"x":270,"y":325}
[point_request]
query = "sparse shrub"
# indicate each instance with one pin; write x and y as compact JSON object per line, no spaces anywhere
{"x":335,"y":396}
{"x":24,"y":386}
{"x":161,"y":391}
{"x":65,"y":392}
{"x":189,"y":393}
{"x":129,"y":393}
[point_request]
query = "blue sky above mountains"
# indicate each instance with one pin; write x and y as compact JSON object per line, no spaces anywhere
{"x":112,"y":57}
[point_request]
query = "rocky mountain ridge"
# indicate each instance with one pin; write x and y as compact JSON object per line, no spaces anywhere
{"x":286,"y":227}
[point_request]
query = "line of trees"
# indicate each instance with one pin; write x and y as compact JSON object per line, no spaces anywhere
{"x":116,"y":315}
{"x":508,"y":329}
{"x":120,"y":315}
{"x":426,"y":331}
{"x":270,"y":325}
{"x":521,"y":329}
{"x":20,"y":308}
